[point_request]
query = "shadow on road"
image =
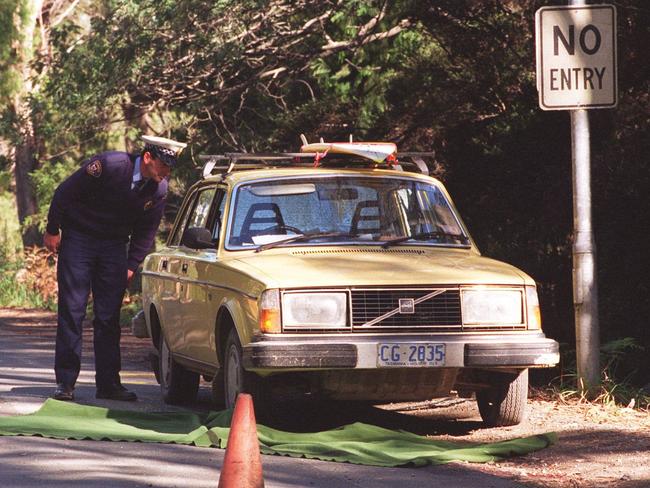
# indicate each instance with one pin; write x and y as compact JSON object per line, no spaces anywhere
{"x":314,"y":416}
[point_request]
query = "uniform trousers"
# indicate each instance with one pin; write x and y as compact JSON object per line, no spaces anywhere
{"x":87,"y":264}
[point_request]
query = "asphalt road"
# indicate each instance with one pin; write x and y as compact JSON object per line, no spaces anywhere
{"x":27,"y":379}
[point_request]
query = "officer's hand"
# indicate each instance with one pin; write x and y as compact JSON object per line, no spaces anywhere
{"x":129,"y":276}
{"x":52,"y":242}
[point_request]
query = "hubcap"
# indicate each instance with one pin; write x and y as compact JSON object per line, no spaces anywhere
{"x":233,"y":379}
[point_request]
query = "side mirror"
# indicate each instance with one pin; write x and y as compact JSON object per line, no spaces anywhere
{"x":197,"y":238}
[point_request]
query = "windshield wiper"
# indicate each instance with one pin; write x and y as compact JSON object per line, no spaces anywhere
{"x":302,"y":238}
{"x":420,"y":236}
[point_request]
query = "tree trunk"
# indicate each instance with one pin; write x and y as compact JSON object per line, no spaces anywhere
{"x":25,"y":140}
{"x":25,"y":163}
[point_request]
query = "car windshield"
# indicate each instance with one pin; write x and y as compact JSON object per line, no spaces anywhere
{"x":350,"y":210}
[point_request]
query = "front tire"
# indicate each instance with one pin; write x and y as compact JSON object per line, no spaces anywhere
{"x":177,"y":384}
{"x":237,"y":380}
{"x":504,"y":404}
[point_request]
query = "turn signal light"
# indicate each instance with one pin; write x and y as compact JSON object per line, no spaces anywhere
{"x":269,"y":319}
{"x":532,"y":304}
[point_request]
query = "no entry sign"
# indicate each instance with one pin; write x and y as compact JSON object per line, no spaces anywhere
{"x":576,"y":57}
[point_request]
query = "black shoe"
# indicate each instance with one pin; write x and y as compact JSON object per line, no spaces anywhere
{"x":117,"y":392}
{"x":64,"y":392}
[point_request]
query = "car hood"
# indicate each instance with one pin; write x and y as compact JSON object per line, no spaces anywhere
{"x":327,"y":267}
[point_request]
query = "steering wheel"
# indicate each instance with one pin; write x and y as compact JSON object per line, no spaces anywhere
{"x":290,"y":228}
{"x":280,"y":228}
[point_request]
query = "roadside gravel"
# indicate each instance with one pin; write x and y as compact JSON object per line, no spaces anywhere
{"x":598,"y":446}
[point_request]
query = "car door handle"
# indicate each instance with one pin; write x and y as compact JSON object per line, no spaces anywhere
{"x":184,"y":267}
{"x":163,"y":265}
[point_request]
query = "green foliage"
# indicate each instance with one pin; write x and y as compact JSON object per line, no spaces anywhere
{"x":363,"y":76}
{"x":5,"y":180}
{"x":616,"y":389}
{"x":45,"y":182}
{"x":130,"y":307}
{"x":8,"y":36}
{"x":15,"y":293}
{"x":10,"y":242}
{"x":216,"y":66}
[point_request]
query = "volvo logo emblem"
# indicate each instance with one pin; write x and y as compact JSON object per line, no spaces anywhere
{"x":406,"y":305}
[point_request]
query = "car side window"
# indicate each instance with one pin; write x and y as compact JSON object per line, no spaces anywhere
{"x":197,"y":214}
{"x":200,"y":215}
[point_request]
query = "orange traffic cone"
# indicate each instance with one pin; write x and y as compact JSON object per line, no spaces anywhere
{"x":242,"y":464}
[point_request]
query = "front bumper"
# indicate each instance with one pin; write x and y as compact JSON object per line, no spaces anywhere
{"x":302,"y":352}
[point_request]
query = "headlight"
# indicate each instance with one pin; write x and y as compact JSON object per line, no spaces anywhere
{"x":314,"y":310}
{"x":492,"y":307}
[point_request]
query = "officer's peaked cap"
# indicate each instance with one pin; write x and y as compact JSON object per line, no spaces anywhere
{"x":164,"y":149}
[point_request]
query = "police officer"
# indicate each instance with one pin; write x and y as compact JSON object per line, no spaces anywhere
{"x":115,"y":198}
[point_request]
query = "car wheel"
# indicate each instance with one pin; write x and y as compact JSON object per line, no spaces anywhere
{"x":237,"y":380}
{"x":177,"y":384}
{"x":154,"y":362}
{"x":504,"y":404}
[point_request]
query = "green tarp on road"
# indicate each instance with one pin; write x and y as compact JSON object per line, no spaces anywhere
{"x":356,"y":443}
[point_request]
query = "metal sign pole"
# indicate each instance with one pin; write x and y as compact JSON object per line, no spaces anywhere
{"x":576,"y":71}
{"x":585,"y":291}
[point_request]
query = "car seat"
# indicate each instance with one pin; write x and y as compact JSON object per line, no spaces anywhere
{"x":366,"y":218}
{"x":260,"y":217}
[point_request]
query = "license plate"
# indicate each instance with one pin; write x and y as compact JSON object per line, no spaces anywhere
{"x":405,"y":355}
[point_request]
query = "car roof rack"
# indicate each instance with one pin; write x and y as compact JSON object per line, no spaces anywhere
{"x":228,"y":162}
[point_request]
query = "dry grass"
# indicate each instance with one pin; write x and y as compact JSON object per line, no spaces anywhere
{"x":39,"y":273}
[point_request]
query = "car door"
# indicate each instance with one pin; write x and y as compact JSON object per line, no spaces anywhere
{"x":170,"y":269}
{"x":201,"y":320}
{"x":198,"y":298}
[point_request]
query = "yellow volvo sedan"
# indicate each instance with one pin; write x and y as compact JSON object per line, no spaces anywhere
{"x":349,"y":278}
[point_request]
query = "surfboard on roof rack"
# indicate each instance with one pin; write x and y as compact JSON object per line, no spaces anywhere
{"x":375,"y":151}
{"x":327,"y":154}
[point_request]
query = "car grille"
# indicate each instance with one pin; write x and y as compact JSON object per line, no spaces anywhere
{"x":379,"y":309}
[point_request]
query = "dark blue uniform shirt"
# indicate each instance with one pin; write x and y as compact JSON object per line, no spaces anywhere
{"x":97,"y":200}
